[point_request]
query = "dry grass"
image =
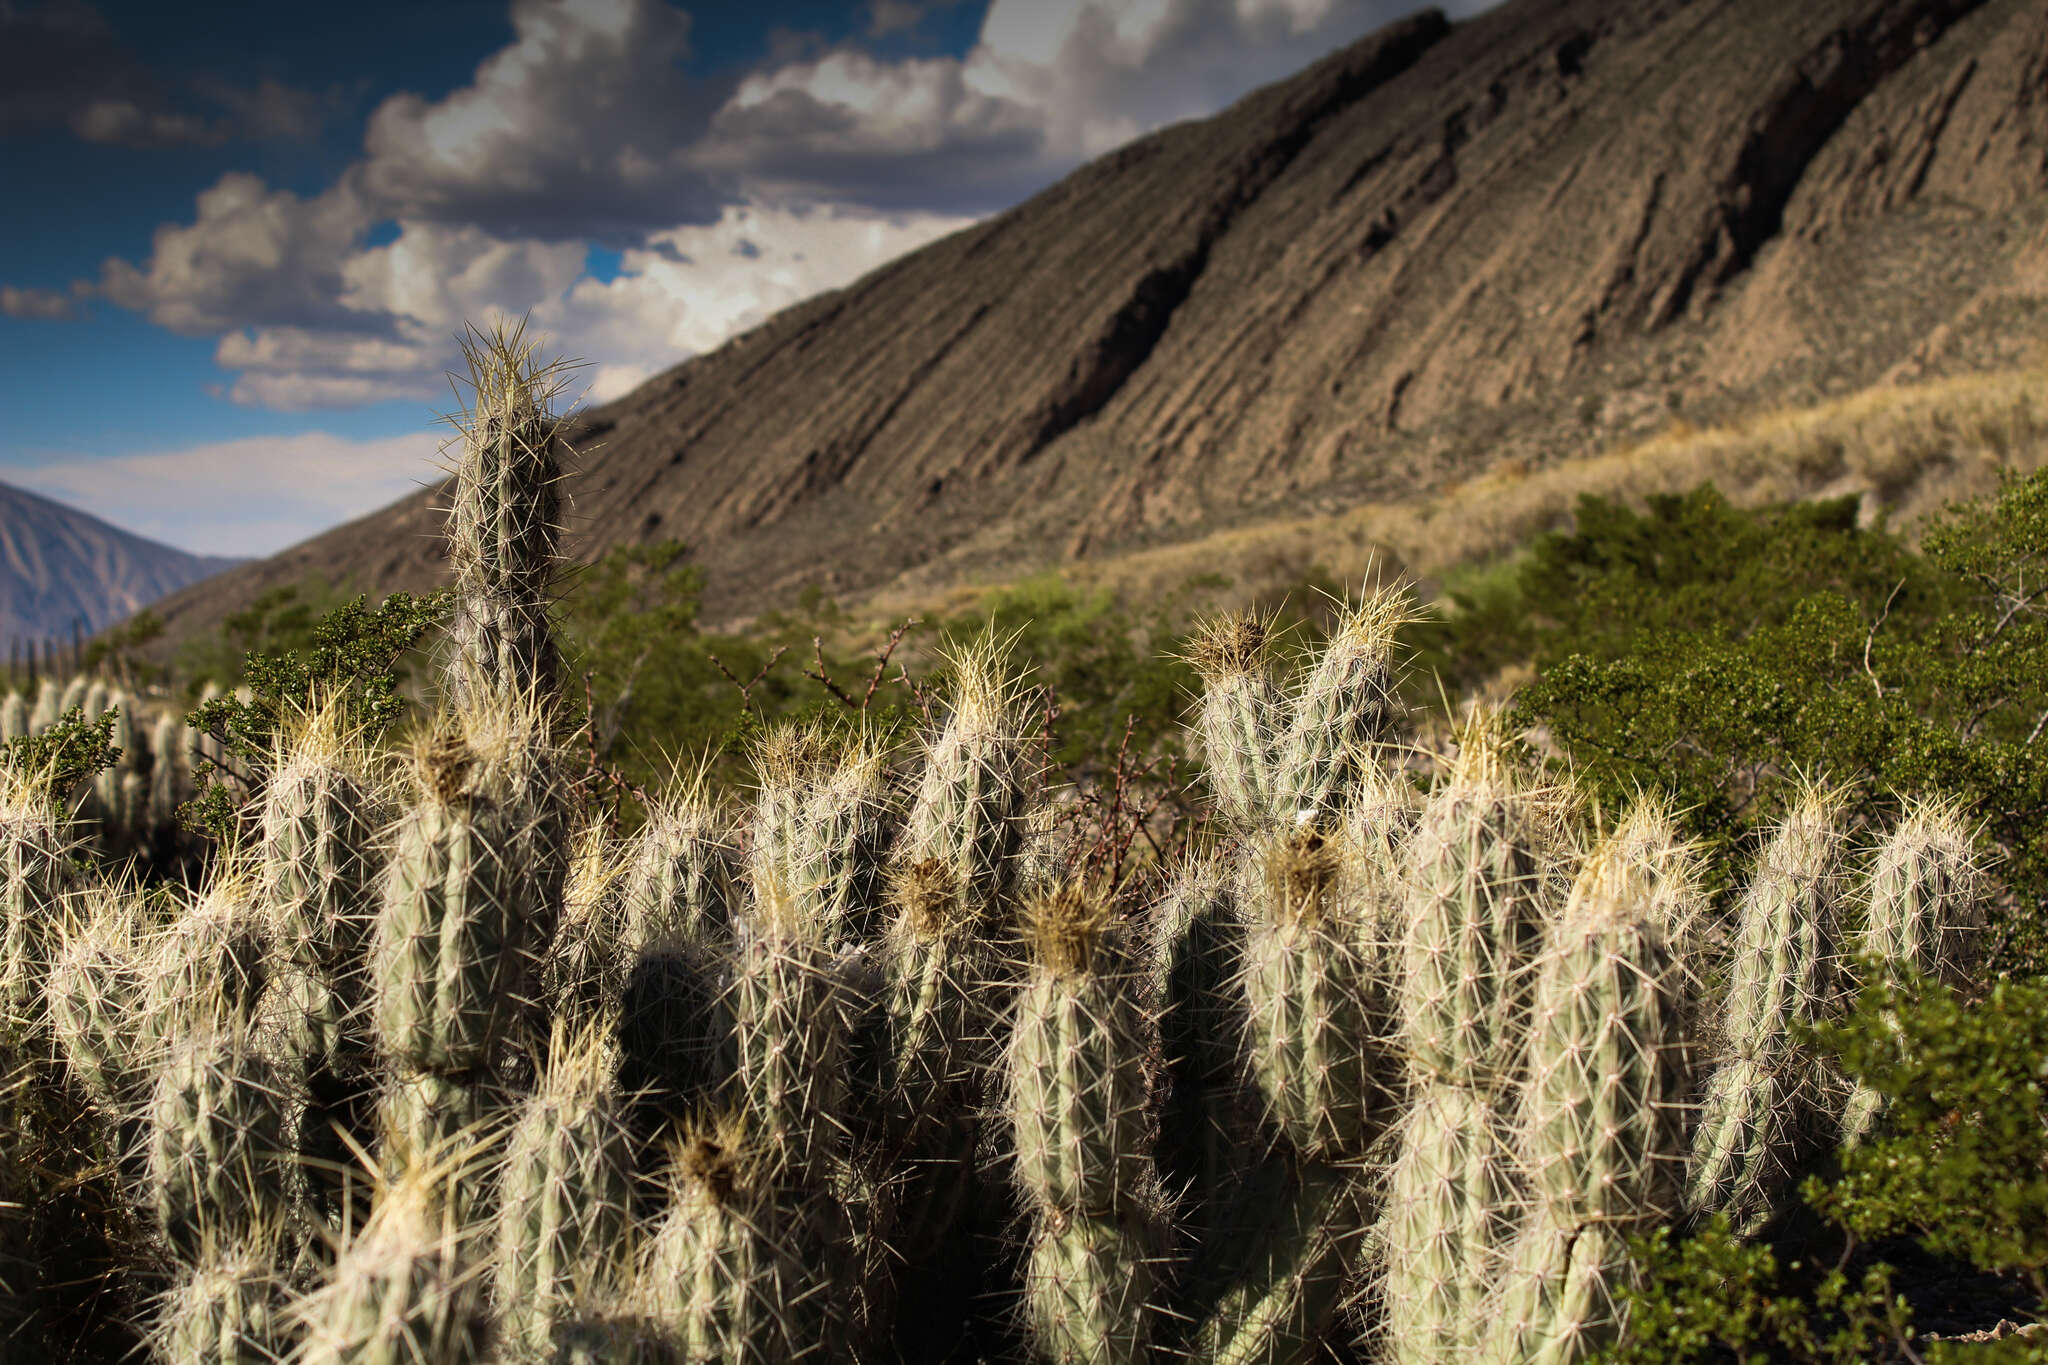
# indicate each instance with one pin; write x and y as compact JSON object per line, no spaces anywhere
{"x":1906,"y":450}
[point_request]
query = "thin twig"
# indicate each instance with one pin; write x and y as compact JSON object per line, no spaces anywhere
{"x":882,"y":659}
{"x":818,"y":648}
{"x":1869,"y":639}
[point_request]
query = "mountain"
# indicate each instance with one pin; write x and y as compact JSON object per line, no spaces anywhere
{"x":61,"y":570}
{"x":1445,"y":249}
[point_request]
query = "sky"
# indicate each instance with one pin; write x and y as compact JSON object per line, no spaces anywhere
{"x":242,"y":240}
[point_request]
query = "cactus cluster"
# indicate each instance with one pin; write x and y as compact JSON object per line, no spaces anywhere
{"x":867,"y":1067}
{"x":132,"y":805}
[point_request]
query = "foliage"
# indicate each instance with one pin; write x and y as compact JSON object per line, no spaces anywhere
{"x":353,"y":652}
{"x":1961,"y":1167}
{"x":67,"y":754}
{"x":1964,"y":1165}
{"x":1716,"y":654}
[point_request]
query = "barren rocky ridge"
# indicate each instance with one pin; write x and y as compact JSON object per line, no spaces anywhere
{"x":1521,"y":237}
{"x":62,"y":570}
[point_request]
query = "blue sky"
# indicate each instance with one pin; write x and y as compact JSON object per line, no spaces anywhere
{"x":243,"y":237}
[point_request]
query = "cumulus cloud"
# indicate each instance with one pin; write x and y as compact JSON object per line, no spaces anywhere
{"x":576,"y":130}
{"x":61,"y":65}
{"x":252,"y":496}
{"x":48,"y":305}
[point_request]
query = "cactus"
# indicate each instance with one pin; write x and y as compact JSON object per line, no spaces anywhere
{"x":563,"y":1190}
{"x":95,"y":999}
{"x":13,"y":718}
{"x":736,"y":1271}
{"x":1924,"y":908}
{"x":1603,"y":1142}
{"x":504,"y":527}
{"x":399,"y":1293}
{"x":322,"y":814}
{"x":788,"y":1012}
{"x":683,"y":874}
{"x":464,"y":918}
{"x":1240,"y":717}
{"x":227,"y":1308}
{"x":33,"y":881}
{"x":1764,"y":1102}
{"x":1342,"y":712}
{"x":1476,"y":916}
{"x":823,"y":829}
{"x":218,"y":1115}
{"x":1317,"y":999}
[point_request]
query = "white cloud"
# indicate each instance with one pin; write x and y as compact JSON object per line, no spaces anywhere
{"x":251,"y":496}
{"x":575,"y":129}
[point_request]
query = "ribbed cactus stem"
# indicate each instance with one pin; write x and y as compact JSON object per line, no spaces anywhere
{"x":683,"y":873}
{"x":1763,"y":1104}
{"x":736,"y":1270}
{"x":169,"y":772}
{"x":14,"y":717}
{"x":33,"y":880}
{"x":400,"y":1292}
{"x":563,"y":1194}
{"x":1088,"y":1287}
{"x":1317,"y":998}
{"x":46,"y":709}
{"x":95,"y":999}
{"x":823,"y":829}
{"x":465,"y":910}
{"x":1240,"y":718}
{"x":1343,"y":711}
{"x":1476,"y":891}
{"x":1078,"y":1061}
{"x":505,"y":525}
{"x":1475,"y":912}
{"x":1604,"y":1141}
{"x":322,"y":815}
{"x":1925,"y":907}
{"x":788,"y":1009}
{"x":228,"y":1308}
{"x":979,"y":783}
{"x":218,"y":1158}
{"x":1290,"y":1247}
{"x":1450,"y":1202}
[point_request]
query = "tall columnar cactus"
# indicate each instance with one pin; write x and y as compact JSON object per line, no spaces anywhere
{"x":1079,"y":1088}
{"x":504,"y":527}
{"x":1240,"y":718}
{"x":1476,"y":889}
{"x":954,"y":888}
{"x":227,"y":1306}
{"x":564,"y":1186}
{"x":824,"y":825}
{"x":788,"y":1009}
{"x":1602,"y":1144}
{"x":1762,"y":1114}
{"x":95,"y":998}
{"x":13,"y":717}
{"x":1315,"y":983}
{"x":1924,"y":906}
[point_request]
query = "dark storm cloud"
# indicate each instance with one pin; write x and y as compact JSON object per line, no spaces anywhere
{"x":62,"y":65}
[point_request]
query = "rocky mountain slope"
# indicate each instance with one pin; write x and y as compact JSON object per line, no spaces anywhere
{"x":61,"y":569}
{"x":1448,"y":247}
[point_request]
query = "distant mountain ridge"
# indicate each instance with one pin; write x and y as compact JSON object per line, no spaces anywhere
{"x":1446,"y":249}
{"x":63,"y":570}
